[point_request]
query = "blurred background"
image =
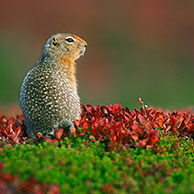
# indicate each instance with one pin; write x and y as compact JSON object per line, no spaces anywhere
{"x":135,"y":48}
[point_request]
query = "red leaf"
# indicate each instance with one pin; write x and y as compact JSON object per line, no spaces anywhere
{"x":59,"y":133}
{"x":140,"y":101}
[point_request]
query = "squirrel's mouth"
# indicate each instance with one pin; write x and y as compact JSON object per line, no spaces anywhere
{"x":82,"y":51}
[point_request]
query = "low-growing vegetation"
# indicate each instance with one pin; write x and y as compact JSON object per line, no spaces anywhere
{"x":110,"y":150}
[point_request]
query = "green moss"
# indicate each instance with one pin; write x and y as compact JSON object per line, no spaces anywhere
{"x":89,"y":169}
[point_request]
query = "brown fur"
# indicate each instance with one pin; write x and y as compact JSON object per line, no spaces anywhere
{"x":70,"y":65}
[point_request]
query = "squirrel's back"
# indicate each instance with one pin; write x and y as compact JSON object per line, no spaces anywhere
{"x":48,"y":95}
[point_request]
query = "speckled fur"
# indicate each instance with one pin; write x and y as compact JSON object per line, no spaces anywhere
{"x":48,"y":95}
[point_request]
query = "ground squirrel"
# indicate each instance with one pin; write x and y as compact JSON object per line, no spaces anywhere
{"x":48,"y":94}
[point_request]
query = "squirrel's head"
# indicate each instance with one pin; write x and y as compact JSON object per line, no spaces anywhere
{"x":65,"y":45}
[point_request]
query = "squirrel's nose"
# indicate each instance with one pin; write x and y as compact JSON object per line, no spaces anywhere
{"x":85,"y":44}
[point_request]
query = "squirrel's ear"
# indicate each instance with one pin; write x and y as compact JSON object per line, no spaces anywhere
{"x":54,"y":42}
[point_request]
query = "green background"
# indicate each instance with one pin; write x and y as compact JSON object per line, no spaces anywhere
{"x":135,"y":48}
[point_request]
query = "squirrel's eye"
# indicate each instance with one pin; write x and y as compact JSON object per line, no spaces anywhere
{"x":70,"y":40}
